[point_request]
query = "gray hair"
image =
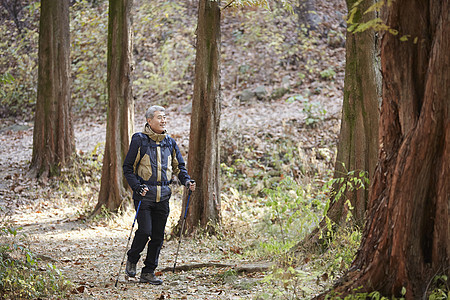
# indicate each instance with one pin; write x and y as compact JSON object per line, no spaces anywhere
{"x":151,"y":111}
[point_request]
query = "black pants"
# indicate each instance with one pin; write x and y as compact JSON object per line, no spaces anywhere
{"x":151,"y":218}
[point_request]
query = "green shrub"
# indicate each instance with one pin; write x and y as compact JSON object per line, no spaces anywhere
{"x":164,"y":49}
{"x":439,"y":289}
{"x":18,"y":71}
{"x":291,"y":209}
{"x":314,"y":113}
{"x":288,"y":283}
{"x":21,"y":277}
{"x":89,"y":34}
{"x":328,"y":74}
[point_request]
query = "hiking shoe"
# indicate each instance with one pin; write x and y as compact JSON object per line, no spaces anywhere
{"x":150,"y":278}
{"x":130,"y":269}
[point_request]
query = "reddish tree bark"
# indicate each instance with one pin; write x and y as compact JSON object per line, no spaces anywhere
{"x":406,"y":238}
{"x":203,"y":156}
{"x":358,"y":140}
{"x":120,"y":122}
{"x":53,"y":140}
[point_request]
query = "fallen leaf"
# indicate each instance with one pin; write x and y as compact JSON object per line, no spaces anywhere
{"x":79,"y":290}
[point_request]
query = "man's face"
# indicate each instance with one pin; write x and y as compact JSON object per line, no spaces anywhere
{"x":158,"y":123}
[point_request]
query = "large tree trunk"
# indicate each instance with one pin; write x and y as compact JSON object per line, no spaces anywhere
{"x":406,"y":239}
{"x":53,"y":140}
{"x":120,"y":122}
{"x":358,"y":141}
{"x":203,"y":156}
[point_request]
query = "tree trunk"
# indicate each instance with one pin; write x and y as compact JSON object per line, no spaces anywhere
{"x":53,"y":139}
{"x":120,"y":122}
{"x":358,"y":141}
{"x":203,"y":156}
{"x":406,"y":239}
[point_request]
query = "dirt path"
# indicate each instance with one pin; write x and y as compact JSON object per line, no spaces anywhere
{"x":90,"y":255}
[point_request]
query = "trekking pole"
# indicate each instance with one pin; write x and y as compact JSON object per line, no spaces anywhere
{"x":182,"y":228}
{"x":129,"y":237}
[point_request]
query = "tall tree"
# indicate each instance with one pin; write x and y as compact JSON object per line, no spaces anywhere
{"x":358,"y":141}
{"x":406,"y":238}
{"x":120,"y":122}
{"x":53,"y":139}
{"x":203,"y":155}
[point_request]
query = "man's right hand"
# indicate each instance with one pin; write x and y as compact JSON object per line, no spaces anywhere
{"x":191,"y":185}
{"x":143,"y":189}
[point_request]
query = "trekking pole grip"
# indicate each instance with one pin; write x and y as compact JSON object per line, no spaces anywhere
{"x":189,"y":197}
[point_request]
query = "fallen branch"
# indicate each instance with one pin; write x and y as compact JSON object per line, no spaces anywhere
{"x":250,"y":268}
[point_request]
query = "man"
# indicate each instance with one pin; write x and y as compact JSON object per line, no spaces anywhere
{"x":152,"y":159}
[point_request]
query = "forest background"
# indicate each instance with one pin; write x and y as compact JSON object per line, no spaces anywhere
{"x":282,"y":78}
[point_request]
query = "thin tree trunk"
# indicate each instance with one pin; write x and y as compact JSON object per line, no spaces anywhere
{"x":120,"y":122}
{"x":203,"y":156}
{"x":53,"y":141}
{"x":406,"y":239}
{"x":358,"y":141}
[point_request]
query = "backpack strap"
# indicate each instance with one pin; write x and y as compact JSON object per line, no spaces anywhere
{"x":169,"y":143}
{"x":143,"y":148}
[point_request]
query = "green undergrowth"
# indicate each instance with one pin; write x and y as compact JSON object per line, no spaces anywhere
{"x":22,"y":274}
{"x":268,"y":223}
{"x":271,"y":202}
{"x":18,"y":67}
